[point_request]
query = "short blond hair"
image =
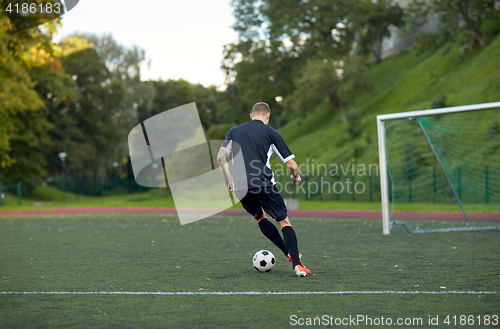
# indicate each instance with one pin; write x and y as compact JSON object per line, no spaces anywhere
{"x":261,"y":108}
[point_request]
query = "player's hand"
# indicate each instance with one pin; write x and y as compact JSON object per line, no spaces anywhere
{"x":230,"y":186}
{"x":296,"y":179}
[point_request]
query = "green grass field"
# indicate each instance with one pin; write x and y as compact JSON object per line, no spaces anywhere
{"x":154,"y":253}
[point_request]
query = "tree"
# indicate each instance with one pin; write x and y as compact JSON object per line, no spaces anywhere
{"x":456,"y":18}
{"x":86,"y":126}
{"x":338,"y":81}
{"x":319,"y":79}
{"x":353,"y":79}
{"x":314,"y":26}
{"x":277,"y":38}
{"x":263,"y":76}
{"x":124,"y":64}
{"x":373,"y":23}
{"x":170,"y":94}
{"x":206,"y":103}
{"x":230,"y":107}
{"x":55,"y":88}
{"x":23,"y":124}
{"x":173,"y":93}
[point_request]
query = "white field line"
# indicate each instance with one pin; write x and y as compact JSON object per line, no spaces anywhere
{"x":168,"y":293}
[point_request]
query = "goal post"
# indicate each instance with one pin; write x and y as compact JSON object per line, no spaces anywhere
{"x":440,"y":168}
{"x":384,"y":192}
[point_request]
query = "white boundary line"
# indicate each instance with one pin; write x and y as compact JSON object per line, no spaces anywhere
{"x":223,"y":293}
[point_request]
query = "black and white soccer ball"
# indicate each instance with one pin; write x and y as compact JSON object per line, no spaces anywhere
{"x":263,"y":261}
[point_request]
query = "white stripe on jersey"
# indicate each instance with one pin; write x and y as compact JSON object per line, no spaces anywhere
{"x":272,"y":149}
{"x":268,"y":164}
{"x":288,"y":158}
{"x":229,"y":147}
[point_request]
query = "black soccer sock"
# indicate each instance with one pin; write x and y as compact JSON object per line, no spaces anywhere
{"x":272,"y":233}
{"x":291,"y":244}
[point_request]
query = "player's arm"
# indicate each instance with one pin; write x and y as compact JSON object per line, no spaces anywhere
{"x":286,"y":156}
{"x":294,"y":170}
{"x":224,"y":167}
{"x":224,"y":151}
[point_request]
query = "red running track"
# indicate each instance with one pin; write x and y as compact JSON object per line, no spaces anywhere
{"x":348,"y":214}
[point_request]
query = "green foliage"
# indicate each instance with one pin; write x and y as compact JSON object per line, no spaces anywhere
{"x":373,"y":22}
{"x":353,"y":79}
{"x":219,"y":131}
{"x":33,"y":18}
{"x":315,"y":27}
{"x":23,"y":124}
{"x":86,"y":126}
{"x":354,"y":128}
{"x":44,"y":111}
{"x":230,"y":106}
{"x":490,"y":25}
{"x":248,"y":18}
{"x":262,"y":74}
{"x":309,"y":25}
{"x":425,"y":42}
{"x":170,"y":94}
{"x":206,"y":103}
{"x":165,"y":95}
{"x":277,"y":39}
{"x":19,"y":102}
{"x":319,"y":79}
{"x":282,"y":45}
{"x":463,"y":20}
{"x":338,"y":81}
{"x":439,"y":102}
{"x":405,"y":82}
{"x":124,"y":64}
{"x":72,"y":44}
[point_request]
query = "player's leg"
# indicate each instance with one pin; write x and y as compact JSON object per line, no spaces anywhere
{"x":271,"y":232}
{"x":290,"y":239}
{"x":283,"y":223}
{"x":252,"y":205}
{"x":291,"y":243}
{"x":274,"y":205}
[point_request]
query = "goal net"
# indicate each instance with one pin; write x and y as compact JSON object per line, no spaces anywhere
{"x":440,"y":169}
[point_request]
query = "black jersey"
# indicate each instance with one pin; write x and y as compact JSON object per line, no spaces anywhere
{"x":257,"y":142}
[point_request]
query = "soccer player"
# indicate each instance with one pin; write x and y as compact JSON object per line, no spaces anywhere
{"x":257,"y":142}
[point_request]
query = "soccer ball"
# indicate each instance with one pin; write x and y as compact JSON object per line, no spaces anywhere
{"x":263,"y":261}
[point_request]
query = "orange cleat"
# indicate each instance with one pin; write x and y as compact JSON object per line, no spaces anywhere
{"x":290,"y":258}
{"x":301,"y":270}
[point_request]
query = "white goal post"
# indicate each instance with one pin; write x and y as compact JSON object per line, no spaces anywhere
{"x":381,"y":119}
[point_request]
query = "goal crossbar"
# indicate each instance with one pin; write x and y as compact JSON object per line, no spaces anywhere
{"x":445,"y":110}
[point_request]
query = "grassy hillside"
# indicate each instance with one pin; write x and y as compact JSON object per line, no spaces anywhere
{"x":406,"y":82}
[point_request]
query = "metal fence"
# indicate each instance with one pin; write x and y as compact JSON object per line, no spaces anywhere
{"x":317,"y":188}
{"x":340,"y":187}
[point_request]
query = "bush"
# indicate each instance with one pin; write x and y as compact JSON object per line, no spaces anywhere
{"x":425,"y":42}
{"x":439,"y":102}
{"x":219,"y":131}
{"x":490,"y":26}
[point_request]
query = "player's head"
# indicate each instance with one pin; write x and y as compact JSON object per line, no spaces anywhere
{"x":261,"y":111}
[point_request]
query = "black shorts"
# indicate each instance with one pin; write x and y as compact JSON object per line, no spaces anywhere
{"x":268,"y":199}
